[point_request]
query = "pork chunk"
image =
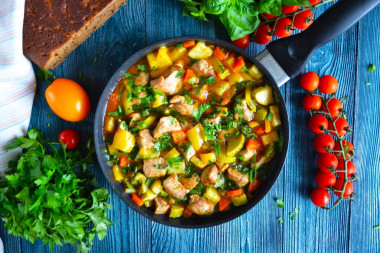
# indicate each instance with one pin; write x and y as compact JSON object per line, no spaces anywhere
{"x":179,"y":104}
{"x":155,"y":167}
{"x":210,"y":175}
{"x":170,"y":85}
{"x":174,"y":187}
{"x":166,"y":125}
{"x":162,"y":206}
{"x":242,"y":111}
{"x":145,"y":139}
{"x":263,"y":160}
{"x":190,"y":182}
{"x":200,"y":206}
{"x":142,"y":79}
{"x":134,"y":118}
{"x":203,"y":68}
{"x":240,"y":179}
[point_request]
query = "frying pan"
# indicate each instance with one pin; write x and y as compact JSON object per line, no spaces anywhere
{"x":281,"y":60}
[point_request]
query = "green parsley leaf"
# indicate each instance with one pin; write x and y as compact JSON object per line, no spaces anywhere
{"x":178,"y":45}
{"x":210,"y":80}
{"x":127,"y":75}
{"x":371,"y":68}
{"x":280,"y":220}
{"x":142,"y":68}
{"x":280,"y":203}
{"x":197,"y":113}
{"x":180,"y":73}
{"x":45,"y":75}
{"x":376,"y":227}
{"x":192,"y":80}
{"x":367,"y":83}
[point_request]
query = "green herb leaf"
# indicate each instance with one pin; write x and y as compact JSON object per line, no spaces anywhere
{"x":142,"y":68}
{"x":280,"y":203}
{"x":280,"y":220}
{"x":376,"y":227}
{"x":180,"y":73}
{"x":197,"y":113}
{"x":371,"y":68}
{"x":45,"y":75}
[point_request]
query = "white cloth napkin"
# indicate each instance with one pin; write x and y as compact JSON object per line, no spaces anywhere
{"x":17,"y":81}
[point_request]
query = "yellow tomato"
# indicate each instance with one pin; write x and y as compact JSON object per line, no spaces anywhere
{"x":68,"y":100}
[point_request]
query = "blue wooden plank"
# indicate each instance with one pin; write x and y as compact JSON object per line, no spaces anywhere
{"x":365,"y":211}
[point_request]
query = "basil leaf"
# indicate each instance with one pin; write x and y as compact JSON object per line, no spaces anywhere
{"x":215,"y":7}
{"x":297,"y":2}
{"x":270,"y":7}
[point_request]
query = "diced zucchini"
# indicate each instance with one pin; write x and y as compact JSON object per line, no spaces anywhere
{"x":261,"y":113}
{"x":255,"y":72}
{"x":235,"y":78}
{"x":249,"y":99}
{"x":200,"y":51}
{"x":235,"y":145}
{"x":140,"y":179}
{"x":171,"y":154}
{"x":177,"y":53}
{"x":239,"y":200}
{"x":123,"y":140}
{"x":220,"y":70}
{"x":109,"y":124}
{"x":220,"y":88}
{"x":197,"y":162}
{"x":208,"y":157}
{"x":161,"y":61}
{"x":117,"y":173}
{"x":276,"y":120}
{"x":126,"y":103}
{"x":177,"y":168}
{"x":212,"y":194}
{"x":176,"y":211}
{"x":159,"y":99}
{"x":263,"y":95}
{"x":128,"y":187}
{"x":195,"y":136}
{"x":156,"y":186}
{"x":269,"y":138}
{"x":223,"y":157}
{"x":148,"y":195}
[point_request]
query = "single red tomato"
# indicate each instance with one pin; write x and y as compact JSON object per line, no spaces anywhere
{"x":341,"y":126}
{"x":68,"y":100}
{"x":309,"y":81}
{"x":263,"y":34}
{"x":351,"y":169}
{"x":243,"y":43}
{"x":311,"y":102}
{"x":325,"y":178}
{"x":70,"y":137}
{"x":314,"y":2}
{"x":328,"y":84}
{"x":283,"y":27}
{"x":268,"y":16}
{"x":303,"y":19}
{"x":339,"y":186}
{"x":327,"y":161}
{"x":318,"y":123}
{"x":334,"y":105}
{"x":323,"y":143}
{"x":320,"y":197}
{"x":288,"y":9}
{"x":347,"y":147}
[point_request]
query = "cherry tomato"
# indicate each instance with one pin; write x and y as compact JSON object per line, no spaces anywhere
{"x":347,"y":147}
{"x":311,"y":102}
{"x":323,"y":143}
{"x":314,"y":2}
{"x":243,"y":43}
{"x":325,"y":179}
{"x":351,"y":169}
{"x":320,"y":197}
{"x":309,"y":81}
{"x":283,"y":27}
{"x":288,"y":9}
{"x":263,"y":34}
{"x":268,"y":16}
{"x":318,"y":123}
{"x":68,"y":100}
{"x":327,"y":161}
{"x":339,"y":186}
{"x":303,"y":19}
{"x":70,"y":137}
{"x":334,"y":105}
{"x":328,"y":84}
{"x":341,"y":126}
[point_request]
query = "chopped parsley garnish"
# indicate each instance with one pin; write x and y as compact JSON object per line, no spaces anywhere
{"x":371,"y":68}
{"x":280,"y":220}
{"x":163,"y":143}
{"x":178,"y":45}
{"x":142,"y":68}
{"x":292,"y":215}
{"x":192,"y":80}
{"x":154,"y":68}
{"x":149,"y":181}
{"x":174,"y":162}
{"x":270,"y":116}
{"x":180,"y":73}
{"x":45,"y":75}
{"x":128,"y":75}
{"x":197,"y":113}
{"x":280,"y":203}
{"x":217,"y":148}
{"x":222,"y":68}
{"x":244,"y":69}
{"x":376,"y":227}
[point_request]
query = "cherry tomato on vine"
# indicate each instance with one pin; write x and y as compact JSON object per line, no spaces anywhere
{"x":311,"y":102}
{"x":268,"y":16}
{"x":328,"y":84}
{"x":341,"y":126}
{"x":68,"y":100}
{"x":288,"y":9}
{"x":320,"y":197}
{"x":351,"y":169}
{"x":303,"y":19}
{"x":309,"y":81}
{"x":314,"y":2}
{"x":243,"y":43}
{"x":318,"y":123}
{"x":263,"y":34}
{"x":283,"y":27}
{"x":347,"y":147}
{"x":339,"y":186}
{"x":334,"y":105}
{"x":323,"y":142}
{"x":70,"y":137}
{"x":327,"y":161}
{"x":325,"y":179}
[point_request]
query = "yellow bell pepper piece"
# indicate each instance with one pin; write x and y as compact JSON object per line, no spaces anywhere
{"x":146,"y":122}
{"x":177,"y":53}
{"x":212,"y":194}
{"x":267,"y":126}
{"x":146,"y":153}
{"x":253,"y":124}
{"x":235,"y":145}
{"x":176,"y":211}
{"x":276,"y":121}
{"x":148,"y":203}
{"x":195,"y":136}
{"x":126,"y":103}
{"x":261,"y":113}
{"x":208,"y":157}
{"x":123,"y":140}
{"x":159,"y":99}
{"x":109,"y":124}
{"x":156,"y":186}
{"x":220,"y":70}
{"x":148,"y":195}
{"x":140,"y":178}
{"x":239,"y":200}
{"x":249,"y":99}
{"x":128,"y":187}
{"x":246,"y":77}
{"x":223,"y":157}
{"x":269,"y":138}
{"x":200,"y":51}
{"x":117,"y":173}
{"x":230,"y":62}
{"x":220,"y":88}
{"x":221,"y":111}
{"x":159,"y":61}
{"x":112,"y":150}
{"x":255,"y":72}
{"x":263,"y":95}
{"x":235,"y":78}
{"x":197,"y":162}
{"x":171,"y":154}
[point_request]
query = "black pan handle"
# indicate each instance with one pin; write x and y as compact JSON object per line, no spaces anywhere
{"x":292,"y":53}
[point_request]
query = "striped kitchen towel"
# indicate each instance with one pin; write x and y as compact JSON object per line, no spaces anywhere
{"x":17,"y":81}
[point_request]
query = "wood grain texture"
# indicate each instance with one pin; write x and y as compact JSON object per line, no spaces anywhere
{"x":348,"y":228}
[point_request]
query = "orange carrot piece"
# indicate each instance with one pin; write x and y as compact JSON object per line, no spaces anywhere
{"x":252,"y":144}
{"x":188,"y":44}
{"x":254,"y":185}
{"x":187,"y":212}
{"x":219,"y":53}
{"x":259,"y":130}
{"x":223,"y":203}
{"x":188,"y":75}
{"x":123,"y":160}
{"x":238,"y":65}
{"x":179,"y":137}
{"x":137,"y":199}
{"x":234,"y":193}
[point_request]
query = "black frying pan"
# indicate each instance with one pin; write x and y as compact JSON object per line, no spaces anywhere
{"x":283,"y":59}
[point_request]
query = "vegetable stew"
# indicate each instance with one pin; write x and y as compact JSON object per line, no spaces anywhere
{"x":191,"y":129}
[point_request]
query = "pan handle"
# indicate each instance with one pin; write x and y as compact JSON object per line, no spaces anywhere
{"x":292,"y":53}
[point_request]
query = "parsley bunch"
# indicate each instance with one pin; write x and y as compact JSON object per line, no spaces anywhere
{"x":45,"y":196}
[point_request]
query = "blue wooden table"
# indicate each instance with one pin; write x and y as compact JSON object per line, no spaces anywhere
{"x":350,"y":227}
